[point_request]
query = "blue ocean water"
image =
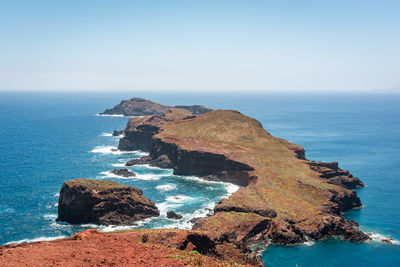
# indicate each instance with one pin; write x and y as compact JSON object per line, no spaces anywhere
{"x":48,"y":138}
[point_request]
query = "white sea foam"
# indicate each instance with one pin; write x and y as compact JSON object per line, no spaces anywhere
{"x":309,"y":243}
{"x":110,"y":115}
{"x":50,"y":217}
{"x":38,"y":239}
{"x":146,"y":167}
{"x":117,"y":115}
{"x":118,"y":165}
{"x":106,"y":134}
{"x":56,"y":195}
{"x":206,"y":209}
{"x":375,"y":237}
{"x":184,"y":223}
{"x":166,"y":187}
{"x":178,"y":199}
{"x":114,"y":150}
{"x":148,"y":177}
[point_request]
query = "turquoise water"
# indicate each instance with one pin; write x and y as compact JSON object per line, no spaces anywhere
{"x":46,"y":139}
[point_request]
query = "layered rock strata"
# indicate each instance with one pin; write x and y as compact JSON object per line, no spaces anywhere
{"x":103,"y":202}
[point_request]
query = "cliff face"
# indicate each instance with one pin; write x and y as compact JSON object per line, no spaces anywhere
{"x":284,"y":197}
{"x":103,"y":202}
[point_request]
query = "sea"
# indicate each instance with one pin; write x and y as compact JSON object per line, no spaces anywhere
{"x":47,"y":138}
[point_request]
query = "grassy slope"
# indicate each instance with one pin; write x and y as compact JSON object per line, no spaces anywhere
{"x":285,"y":183}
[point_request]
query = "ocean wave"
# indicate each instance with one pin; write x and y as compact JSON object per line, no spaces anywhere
{"x":118,"y":165}
{"x":375,"y":237}
{"x":178,"y":199}
{"x":166,"y":187}
{"x":37,"y":239}
{"x":114,"y":150}
{"x":159,"y":171}
{"x":147,"y":177}
{"x":309,"y":243}
{"x":56,"y":194}
{"x":111,"y":115}
{"x":50,"y":217}
{"x":185,"y":222}
{"x":116,"y":115}
{"x":106,"y":134}
{"x":163,"y":207}
{"x":229,"y":187}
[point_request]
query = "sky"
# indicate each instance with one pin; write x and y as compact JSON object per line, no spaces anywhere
{"x":248,"y":45}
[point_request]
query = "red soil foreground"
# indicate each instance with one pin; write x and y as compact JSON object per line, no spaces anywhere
{"x":93,"y":248}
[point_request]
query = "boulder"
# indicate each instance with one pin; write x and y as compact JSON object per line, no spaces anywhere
{"x":103,"y":202}
{"x":173,"y":215}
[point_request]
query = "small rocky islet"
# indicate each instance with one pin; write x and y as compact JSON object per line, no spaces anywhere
{"x":283,"y":197}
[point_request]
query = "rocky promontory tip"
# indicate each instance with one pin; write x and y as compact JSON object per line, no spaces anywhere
{"x":142,"y":107}
{"x":103,"y":202}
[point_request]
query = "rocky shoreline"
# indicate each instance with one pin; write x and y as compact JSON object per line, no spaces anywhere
{"x":283,"y":197}
{"x":188,"y":155}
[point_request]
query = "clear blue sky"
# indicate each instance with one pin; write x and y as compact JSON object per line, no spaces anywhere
{"x":199,"y":45}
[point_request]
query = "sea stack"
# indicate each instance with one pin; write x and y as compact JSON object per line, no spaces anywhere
{"x":103,"y":202}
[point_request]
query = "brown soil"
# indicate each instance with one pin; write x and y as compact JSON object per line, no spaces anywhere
{"x":93,"y":248}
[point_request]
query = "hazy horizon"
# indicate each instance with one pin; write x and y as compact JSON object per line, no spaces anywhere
{"x":207,"y":46}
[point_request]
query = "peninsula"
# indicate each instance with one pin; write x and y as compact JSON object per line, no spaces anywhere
{"x":283,"y":197}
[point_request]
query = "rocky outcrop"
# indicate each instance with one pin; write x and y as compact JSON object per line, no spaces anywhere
{"x":331,"y":226}
{"x":161,"y":162}
{"x":118,"y":133}
{"x":173,"y":215}
{"x":335,"y":175}
{"x":123,"y":172}
{"x":142,"y":107}
{"x":137,"y":107}
{"x":103,"y":202}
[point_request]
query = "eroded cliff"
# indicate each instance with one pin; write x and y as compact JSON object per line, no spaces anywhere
{"x":284,"y":198}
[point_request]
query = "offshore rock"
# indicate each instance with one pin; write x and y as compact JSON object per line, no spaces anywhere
{"x":118,"y":133}
{"x":173,"y":215}
{"x":123,"y":172}
{"x":103,"y":202}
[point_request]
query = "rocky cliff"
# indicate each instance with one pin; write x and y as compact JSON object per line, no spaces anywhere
{"x":103,"y":202}
{"x":142,"y":107}
{"x":284,"y":197}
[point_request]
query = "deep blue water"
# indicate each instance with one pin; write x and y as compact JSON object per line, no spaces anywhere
{"x":48,"y":138}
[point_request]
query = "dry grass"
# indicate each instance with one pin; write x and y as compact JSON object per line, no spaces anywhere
{"x":285,"y":183}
